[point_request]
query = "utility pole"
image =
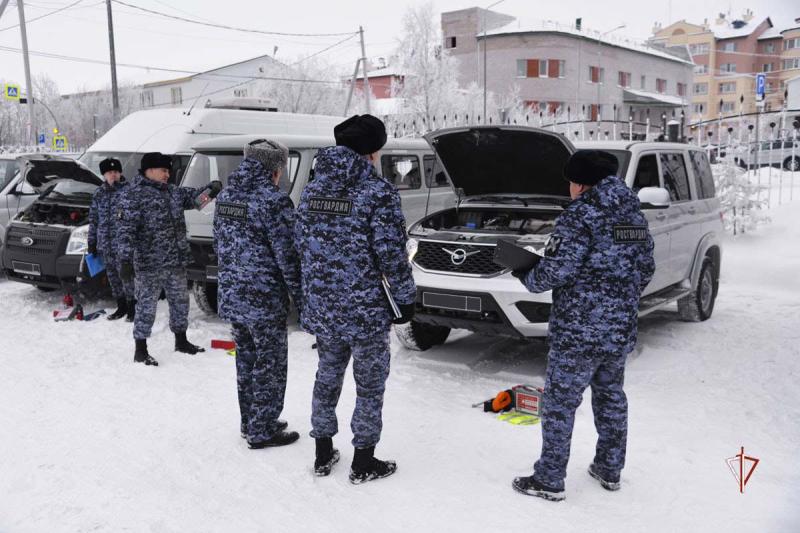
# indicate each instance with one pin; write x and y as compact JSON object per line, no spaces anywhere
{"x":3,"y":4}
{"x":26,"y":60}
{"x":114,"y":90}
{"x":364,"y":65}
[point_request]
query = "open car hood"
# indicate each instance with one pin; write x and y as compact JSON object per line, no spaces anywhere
{"x":484,"y":160}
{"x":44,"y":170}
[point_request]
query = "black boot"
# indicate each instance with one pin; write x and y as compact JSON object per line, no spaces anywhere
{"x":366,"y":467}
{"x":327,"y":456}
{"x":141,"y":355}
{"x":281,"y":438}
{"x":131,"y":311}
{"x":280,"y":426}
{"x":122,"y":309}
{"x":182,"y":345}
{"x":531,"y":487}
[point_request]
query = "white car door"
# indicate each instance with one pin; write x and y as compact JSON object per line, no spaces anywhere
{"x":645,"y":173}
{"x":680,"y":215}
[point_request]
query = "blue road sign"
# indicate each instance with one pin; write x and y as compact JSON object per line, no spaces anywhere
{"x":761,"y":84}
{"x":41,"y":138}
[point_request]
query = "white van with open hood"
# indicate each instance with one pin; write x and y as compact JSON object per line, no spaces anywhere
{"x":510,"y":185}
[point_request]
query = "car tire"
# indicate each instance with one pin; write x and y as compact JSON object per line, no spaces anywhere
{"x":791,"y":164}
{"x":419,"y":336}
{"x":205,"y":296}
{"x":698,"y":305}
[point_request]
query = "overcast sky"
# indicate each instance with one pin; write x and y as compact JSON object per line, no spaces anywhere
{"x":150,"y":40}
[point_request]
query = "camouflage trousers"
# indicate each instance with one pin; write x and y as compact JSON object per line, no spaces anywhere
{"x":261,"y":366}
{"x":370,"y":370}
{"x":148,"y":288}
{"x":119,"y":287}
{"x":568,"y":375}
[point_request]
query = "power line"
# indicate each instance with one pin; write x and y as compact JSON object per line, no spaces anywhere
{"x":323,"y":50}
{"x":40,"y":17}
{"x":225,"y":27}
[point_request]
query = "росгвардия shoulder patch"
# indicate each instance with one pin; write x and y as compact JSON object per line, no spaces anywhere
{"x":330,"y":206}
{"x":630,"y":234}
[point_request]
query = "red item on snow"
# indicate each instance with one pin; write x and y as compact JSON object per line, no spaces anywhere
{"x":223,"y":345}
{"x":68,"y":302}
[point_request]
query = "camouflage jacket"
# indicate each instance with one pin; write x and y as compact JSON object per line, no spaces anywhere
{"x":152,"y":230}
{"x":253,"y":237}
{"x":350,"y":232}
{"x":103,"y":221}
{"x":597,"y":261}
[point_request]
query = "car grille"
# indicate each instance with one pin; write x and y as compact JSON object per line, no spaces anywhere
{"x":431,"y":255}
{"x":44,"y":240}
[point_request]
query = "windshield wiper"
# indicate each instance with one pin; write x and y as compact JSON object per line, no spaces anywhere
{"x":500,"y":198}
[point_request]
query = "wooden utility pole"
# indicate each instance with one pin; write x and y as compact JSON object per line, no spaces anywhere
{"x":114,"y":90}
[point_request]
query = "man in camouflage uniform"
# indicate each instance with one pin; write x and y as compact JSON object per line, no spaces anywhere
{"x":597,"y":262}
{"x":258,"y":270}
{"x":103,"y":228}
{"x":350,"y":233}
{"x":153,"y":249}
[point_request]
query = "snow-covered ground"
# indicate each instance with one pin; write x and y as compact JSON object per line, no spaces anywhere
{"x":92,"y":442}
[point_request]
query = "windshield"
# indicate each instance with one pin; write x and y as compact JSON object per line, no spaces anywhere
{"x":73,"y":188}
{"x":131,"y":161}
{"x":8,"y":169}
{"x":209,"y":166}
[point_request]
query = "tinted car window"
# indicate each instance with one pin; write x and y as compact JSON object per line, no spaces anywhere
{"x":402,"y":171}
{"x":646,"y":173}
{"x":704,"y":180}
{"x":434,"y":175}
{"x":206,"y":167}
{"x":676,"y":181}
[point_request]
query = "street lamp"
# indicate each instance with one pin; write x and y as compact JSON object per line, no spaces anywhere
{"x":483,"y":19}
{"x":599,"y":42}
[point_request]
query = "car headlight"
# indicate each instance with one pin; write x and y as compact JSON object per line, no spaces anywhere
{"x":78,"y":241}
{"x":411,"y":248}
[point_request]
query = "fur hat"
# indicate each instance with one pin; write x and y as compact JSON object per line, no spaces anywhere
{"x":364,"y":134}
{"x":588,"y":167}
{"x":155,"y":160}
{"x":271,"y":154}
{"x":108,"y":164}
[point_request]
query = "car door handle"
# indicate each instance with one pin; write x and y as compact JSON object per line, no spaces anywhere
{"x":692,"y":210}
{"x":661,"y":216}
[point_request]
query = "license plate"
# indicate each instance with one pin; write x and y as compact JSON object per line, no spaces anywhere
{"x":211,"y":273}
{"x":26,"y":268}
{"x":452,"y":302}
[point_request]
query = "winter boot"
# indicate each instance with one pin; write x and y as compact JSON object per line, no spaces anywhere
{"x":531,"y":487}
{"x":366,"y":467}
{"x":141,"y":355}
{"x":281,"y":438}
{"x":280,"y":425}
{"x":122,"y":309}
{"x":327,"y":456}
{"x":182,"y":345}
{"x":131,"y":311}
{"x":605,"y":482}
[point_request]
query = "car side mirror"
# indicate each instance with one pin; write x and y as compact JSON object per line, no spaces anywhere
{"x":653,"y":198}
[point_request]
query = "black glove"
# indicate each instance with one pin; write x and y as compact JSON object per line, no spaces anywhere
{"x":520,"y":274}
{"x":406,"y":312}
{"x":126,"y":271}
{"x":216,"y":187}
{"x":92,"y":249}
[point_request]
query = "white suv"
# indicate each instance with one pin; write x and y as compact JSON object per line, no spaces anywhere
{"x":509,"y":183}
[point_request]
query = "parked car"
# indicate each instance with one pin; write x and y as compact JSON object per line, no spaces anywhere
{"x":783,"y":154}
{"x":510,"y":186}
{"x":45,"y":242}
{"x":407,"y":163}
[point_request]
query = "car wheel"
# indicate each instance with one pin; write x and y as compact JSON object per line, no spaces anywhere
{"x":419,"y":336}
{"x":792,"y":163}
{"x":698,"y":305}
{"x":205,"y":295}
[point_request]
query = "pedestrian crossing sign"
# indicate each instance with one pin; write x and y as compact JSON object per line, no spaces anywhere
{"x":60,"y":143}
{"x":11,"y":92}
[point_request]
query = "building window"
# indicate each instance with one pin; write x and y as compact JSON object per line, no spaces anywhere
{"x":596,"y":74}
{"x":791,"y":63}
{"x":522,"y":68}
{"x":729,"y":47}
{"x":767,"y":67}
{"x":727,"y":67}
{"x":240,"y":93}
{"x":449,"y":42}
{"x":540,"y":68}
{"x":697,"y":108}
{"x":643,"y":82}
{"x":595,"y":112}
{"x":562,"y":68}
{"x":700,"y":88}
{"x":624,"y":79}
{"x":769,"y":48}
{"x":701,"y":69}
{"x":727,"y":107}
{"x":788,"y":44}
{"x":177,"y":95}
{"x":661,"y":86}
{"x":698,"y":49}
{"x":146,"y":98}
{"x":727,"y":88}
{"x":681,"y":89}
